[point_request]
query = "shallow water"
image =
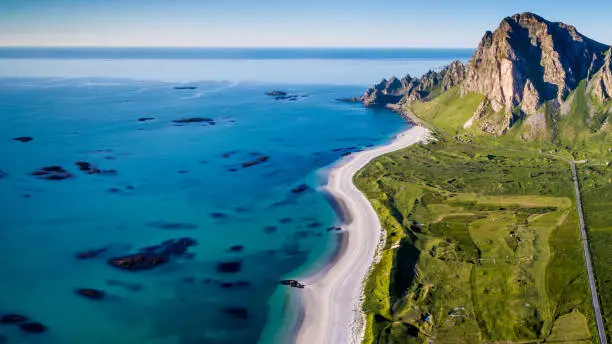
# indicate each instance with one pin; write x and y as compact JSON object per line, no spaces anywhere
{"x":172,"y":181}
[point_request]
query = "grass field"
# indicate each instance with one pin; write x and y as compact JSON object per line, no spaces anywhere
{"x":596,"y":186}
{"x":482,"y":246}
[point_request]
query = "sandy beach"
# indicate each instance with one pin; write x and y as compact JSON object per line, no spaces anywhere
{"x":332,"y":298}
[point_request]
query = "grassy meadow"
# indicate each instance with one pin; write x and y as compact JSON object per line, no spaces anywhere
{"x":482,"y":246}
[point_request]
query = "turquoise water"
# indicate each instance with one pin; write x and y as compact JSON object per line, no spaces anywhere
{"x":172,"y":180}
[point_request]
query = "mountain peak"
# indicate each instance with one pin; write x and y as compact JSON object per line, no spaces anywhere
{"x":529,"y":60}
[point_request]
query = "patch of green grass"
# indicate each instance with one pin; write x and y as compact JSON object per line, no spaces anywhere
{"x":480,"y":246}
{"x":449,"y":111}
{"x":596,"y":187}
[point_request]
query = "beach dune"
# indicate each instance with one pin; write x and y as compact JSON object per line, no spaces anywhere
{"x":332,"y":298}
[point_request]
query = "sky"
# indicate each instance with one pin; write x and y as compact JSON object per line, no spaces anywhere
{"x":281,"y":23}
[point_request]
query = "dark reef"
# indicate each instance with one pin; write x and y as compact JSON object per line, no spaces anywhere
{"x":89,"y":168}
{"x":237,"y":312}
{"x":229,"y":267}
{"x":154,"y":256}
{"x":171,"y":225}
{"x":52,"y":173}
{"x":257,"y":161}
{"x":91,"y":254}
{"x":93,"y":294}
{"x":10,"y":319}
{"x":33,"y":327}
{"x":195,"y":120}
{"x":23,"y":139}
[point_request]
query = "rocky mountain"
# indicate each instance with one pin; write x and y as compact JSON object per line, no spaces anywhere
{"x":601,"y":83}
{"x":528,"y":71}
{"x":528,"y":61}
{"x":410,"y":89}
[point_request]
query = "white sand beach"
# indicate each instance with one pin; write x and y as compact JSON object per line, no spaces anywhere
{"x":331,"y":299}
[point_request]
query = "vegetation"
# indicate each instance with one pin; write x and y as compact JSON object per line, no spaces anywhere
{"x":482,"y":245}
{"x":483,"y":242}
{"x":596,"y":187}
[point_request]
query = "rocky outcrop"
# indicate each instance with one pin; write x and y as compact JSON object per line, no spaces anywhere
{"x":528,"y":60}
{"x":410,"y":89}
{"x":601,"y":84}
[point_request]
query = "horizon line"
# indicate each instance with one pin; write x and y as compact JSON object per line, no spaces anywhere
{"x":222,"y":47}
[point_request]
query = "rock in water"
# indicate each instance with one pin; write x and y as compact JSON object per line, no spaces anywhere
{"x":33,"y":327}
{"x":23,"y":139}
{"x":154,"y":256}
{"x":292,"y":283}
{"x":276,"y":93}
{"x":257,"y":161}
{"x":238,"y":312}
{"x":10,"y":319}
{"x":229,"y":267}
{"x":52,"y":173}
{"x":91,"y":254}
{"x":300,"y":188}
{"x":195,"y":120}
{"x":93,"y":294}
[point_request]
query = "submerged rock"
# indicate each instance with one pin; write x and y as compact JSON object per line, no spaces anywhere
{"x":236,"y":248}
{"x":237,"y":312}
{"x":219,"y":216}
{"x":89,"y":168}
{"x":229,"y":267}
{"x":91,"y":254}
{"x":195,"y":120}
{"x":93,"y":294}
{"x":235,"y":285}
{"x":171,"y":225}
{"x":10,"y":319}
{"x":3,"y":174}
{"x":154,"y":256}
{"x":139,"y":261}
{"x":300,"y":188}
{"x":23,"y":139}
{"x":293,"y":283}
{"x":276,"y":93}
{"x":52,"y":173}
{"x":33,"y":327}
{"x":257,"y":161}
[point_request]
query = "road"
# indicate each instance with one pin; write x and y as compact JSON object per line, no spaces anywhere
{"x":601,"y":329}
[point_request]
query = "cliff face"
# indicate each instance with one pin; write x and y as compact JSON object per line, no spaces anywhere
{"x":528,"y":61}
{"x":410,"y":89}
{"x":601,"y":84}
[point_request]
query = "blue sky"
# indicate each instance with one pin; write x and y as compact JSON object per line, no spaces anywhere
{"x":327,"y":23}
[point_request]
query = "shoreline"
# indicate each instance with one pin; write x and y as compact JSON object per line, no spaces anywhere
{"x":331,"y":301}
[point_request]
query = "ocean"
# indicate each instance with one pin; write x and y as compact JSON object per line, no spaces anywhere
{"x":163,"y":195}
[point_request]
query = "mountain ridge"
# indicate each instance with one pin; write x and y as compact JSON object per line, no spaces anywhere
{"x":524,"y":65}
